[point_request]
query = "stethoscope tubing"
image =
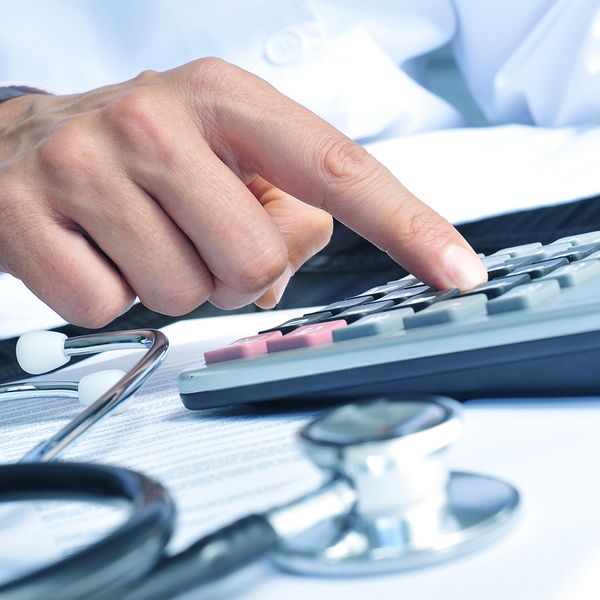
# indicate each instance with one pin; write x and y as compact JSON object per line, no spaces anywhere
{"x":107,"y":568}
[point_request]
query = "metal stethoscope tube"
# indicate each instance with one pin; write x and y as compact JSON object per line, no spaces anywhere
{"x":156,"y":345}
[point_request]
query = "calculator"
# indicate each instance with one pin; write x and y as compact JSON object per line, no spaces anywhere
{"x":533,"y":329}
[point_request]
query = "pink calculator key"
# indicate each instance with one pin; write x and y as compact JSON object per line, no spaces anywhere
{"x":317,"y":334}
{"x":242,"y":348}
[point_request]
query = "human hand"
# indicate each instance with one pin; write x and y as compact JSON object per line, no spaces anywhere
{"x":198,"y":183}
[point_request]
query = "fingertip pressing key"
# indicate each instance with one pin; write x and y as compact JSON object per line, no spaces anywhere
{"x":462,"y":268}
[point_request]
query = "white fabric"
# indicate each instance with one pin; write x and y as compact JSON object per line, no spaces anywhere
{"x":353,"y":62}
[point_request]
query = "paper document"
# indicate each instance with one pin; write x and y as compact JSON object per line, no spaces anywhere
{"x":218,"y":464}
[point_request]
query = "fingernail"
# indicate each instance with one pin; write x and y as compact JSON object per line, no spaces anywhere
{"x":280,"y":285}
{"x":463,"y":268}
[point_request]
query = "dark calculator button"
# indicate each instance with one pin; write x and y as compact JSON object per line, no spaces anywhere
{"x":425,"y":299}
{"x":542,"y":268}
{"x":401,"y":295}
{"x":577,"y":252}
{"x":497,"y":287}
{"x":292,"y":324}
{"x":521,"y":261}
{"x":358,"y":312}
{"x":342,"y":305}
{"x":509,"y":266}
{"x":500,"y":270}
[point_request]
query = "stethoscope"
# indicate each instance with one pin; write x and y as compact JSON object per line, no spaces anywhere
{"x":389,"y":501}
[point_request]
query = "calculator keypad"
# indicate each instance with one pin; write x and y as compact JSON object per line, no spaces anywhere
{"x":519,"y":278}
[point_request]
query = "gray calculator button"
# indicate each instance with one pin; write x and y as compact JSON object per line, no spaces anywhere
{"x":525,"y":296}
{"x":342,"y":305}
{"x":593,"y":256}
{"x":520,"y":250}
{"x":495,"y":259}
{"x":580,"y":239}
{"x":408,"y":280}
{"x":575,"y":273}
{"x":497,"y":287}
{"x":425,"y":299}
{"x":540,"y":269}
{"x":578,"y":252}
{"x":548,"y":251}
{"x":449,"y":311}
{"x":381,"y":290}
{"x":359,"y":312}
{"x":404,"y":293}
{"x":373,"y":325}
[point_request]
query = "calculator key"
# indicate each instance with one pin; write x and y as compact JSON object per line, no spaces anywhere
{"x":425,"y":299}
{"x":342,"y":305}
{"x":381,"y":290}
{"x":509,"y":266}
{"x":449,"y":311}
{"x":254,"y":345}
{"x":500,"y":270}
{"x":408,"y":280}
{"x":385,"y":322}
{"x":521,"y":261}
{"x":497,"y":287}
{"x":577,"y":252}
{"x":293,"y":324}
{"x":318,"y":334}
{"x":520,"y":250}
{"x":546,"y":252}
{"x":495,"y":259}
{"x":402,"y":295}
{"x":593,"y":256}
{"x":358,"y":312}
{"x":542,"y":268}
{"x":582,"y":238}
{"x":525,"y":296}
{"x":575,"y":273}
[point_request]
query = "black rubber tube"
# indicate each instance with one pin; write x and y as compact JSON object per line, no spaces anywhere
{"x":102,"y":570}
{"x":215,"y":556}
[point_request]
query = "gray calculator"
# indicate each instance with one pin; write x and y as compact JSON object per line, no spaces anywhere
{"x":532,"y":330}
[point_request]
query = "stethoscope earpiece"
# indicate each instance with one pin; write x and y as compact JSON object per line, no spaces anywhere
{"x":41,"y":351}
{"x":93,"y":386}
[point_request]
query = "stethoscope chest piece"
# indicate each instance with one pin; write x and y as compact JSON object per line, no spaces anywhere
{"x":410,"y":511}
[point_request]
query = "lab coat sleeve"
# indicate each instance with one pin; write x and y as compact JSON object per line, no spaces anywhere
{"x":6,"y":87}
{"x":534,"y":62}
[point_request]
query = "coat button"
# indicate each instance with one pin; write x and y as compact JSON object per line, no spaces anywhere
{"x":284,"y":47}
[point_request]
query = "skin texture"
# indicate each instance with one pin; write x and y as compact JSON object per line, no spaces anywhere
{"x":201,"y":183}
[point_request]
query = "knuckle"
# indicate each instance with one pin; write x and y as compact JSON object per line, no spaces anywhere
{"x":176,"y":300}
{"x":346,"y":163}
{"x":69,"y":155}
{"x":422,"y":226}
{"x":146,"y":76}
{"x":134,"y":118}
{"x":260,"y":271}
{"x":211,"y":72}
{"x":101,"y":306}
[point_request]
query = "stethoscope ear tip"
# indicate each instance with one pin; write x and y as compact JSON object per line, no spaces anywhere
{"x":94,"y":385}
{"x":41,"y":351}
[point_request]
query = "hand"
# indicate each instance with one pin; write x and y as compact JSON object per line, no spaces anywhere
{"x":199,"y":183}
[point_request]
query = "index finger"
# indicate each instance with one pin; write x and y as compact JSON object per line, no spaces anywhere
{"x":308,"y":158}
